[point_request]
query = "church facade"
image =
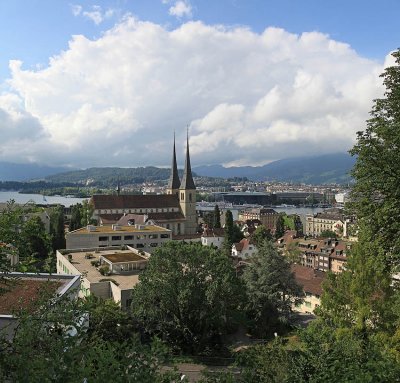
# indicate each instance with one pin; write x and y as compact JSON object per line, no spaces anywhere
{"x":175,"y":210}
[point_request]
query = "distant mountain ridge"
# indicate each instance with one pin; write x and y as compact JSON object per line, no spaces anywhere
{"x":328,"y":168}
{"x":323,"y":169}
{"x":24,"y":172}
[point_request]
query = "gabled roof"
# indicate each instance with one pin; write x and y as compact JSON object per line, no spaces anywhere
{"x":310,"y":279}
{"x":103,"y":201}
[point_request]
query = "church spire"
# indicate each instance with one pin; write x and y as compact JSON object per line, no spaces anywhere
{"x":174,"y":182}
{"x":187,"y":179}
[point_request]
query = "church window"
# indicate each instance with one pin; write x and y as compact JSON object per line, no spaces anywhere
{"x":190,"y":197}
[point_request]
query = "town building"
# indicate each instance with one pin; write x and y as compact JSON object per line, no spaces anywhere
{"x":244,"y":249}
{"x":108,"y":273}
{"x":145,"y":237}
{"x":213,"y":237}
{"x":175,"y":210}
{"x":332,"y":220}
{"x":311,"y":282}
{"x":267,"y":217}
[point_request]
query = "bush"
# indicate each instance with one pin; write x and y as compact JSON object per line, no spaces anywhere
{"x":104,"y":270}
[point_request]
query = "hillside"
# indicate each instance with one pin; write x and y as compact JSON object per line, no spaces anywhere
{"x":110,"y":176}
{"x":24,"y":172}
{"x":328,"y":168}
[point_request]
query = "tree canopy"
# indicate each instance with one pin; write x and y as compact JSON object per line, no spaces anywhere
{"x":188,"y":295}
{"x":271,"y":290}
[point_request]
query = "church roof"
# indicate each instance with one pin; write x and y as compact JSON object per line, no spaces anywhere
{"x":102,"y":201}
{"x":187,"y":179}
{"x":174,"y":181}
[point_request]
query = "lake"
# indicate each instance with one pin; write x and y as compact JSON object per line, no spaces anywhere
{"x":38,"y":198}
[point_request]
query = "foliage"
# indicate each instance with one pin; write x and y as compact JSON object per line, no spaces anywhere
{"x":67,"y":350}
{"x":271,"y":290}
{"x":217,"y":217}
{"x":261,"y":234}
{"x":57,"y":229}
{"x":228,"y":237}
{"x":188,"y":295}
{"x":10,"y":223}
{"x":36,"y":242}
{"x":76,"y":217}
{"x":328,"y":234}
{"x":280,"y":227}
{"x":376,"y":193}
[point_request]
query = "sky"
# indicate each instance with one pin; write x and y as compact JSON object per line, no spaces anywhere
{"x":107,"y":83}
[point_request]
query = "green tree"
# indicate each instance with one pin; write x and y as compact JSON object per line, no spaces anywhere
{"x":376,"y":192}
{"x":279,"y":227}
{"x":328,"y":234}
{"x":86,"y":213}
{"x":217,"y":217}
{"x":368,"y":302}
{"x":10,"y":223}
{"x":188,"y":295}
{"x":261,"y":234}
{"x":36,"y":242}
{"x":271,"y":290}
{"x":229,"y":232}
{"x":76,"y":217}
{"x":57,"y":228}
{"x":67,"y":351}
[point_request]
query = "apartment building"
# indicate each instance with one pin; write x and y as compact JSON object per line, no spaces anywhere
{"x":143,"y":237}
{"x":332,"y":220}
{"x":267,"y":217}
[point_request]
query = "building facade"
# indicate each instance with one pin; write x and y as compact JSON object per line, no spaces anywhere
{"x":142,"y":237}
{"x":175,"y":210}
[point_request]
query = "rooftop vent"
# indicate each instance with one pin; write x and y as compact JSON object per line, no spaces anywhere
{"x":91,"y":228}
{"x":116,"y":227}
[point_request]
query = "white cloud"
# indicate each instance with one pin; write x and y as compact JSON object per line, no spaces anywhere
{"x":76,"y":9}
{"x":249,"y":98}
{"x":96,"y":13}
{"x":181,"y":8}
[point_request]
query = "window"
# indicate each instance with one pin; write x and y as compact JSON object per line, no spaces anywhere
{"x":153,"y":244}
{"x":164,"y":235}
{"x":139,"y":245}
{"x":116,"y":237}
{"x":153,"y":236}
{"x":128,"y":237}
{"x":102,"y":239}
{"x":141,"y":236}
{"x":190,"y":197}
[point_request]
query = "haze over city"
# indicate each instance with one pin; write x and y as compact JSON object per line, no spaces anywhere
{"x":106,"y":83}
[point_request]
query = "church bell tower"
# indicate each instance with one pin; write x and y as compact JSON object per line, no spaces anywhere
{"x":187,"y":195}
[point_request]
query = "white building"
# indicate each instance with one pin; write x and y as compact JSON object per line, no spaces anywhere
{"x":144,"y":237}
{"x":108,"y":273}
{"x":244,"y":249}
{"x":213,"y":237}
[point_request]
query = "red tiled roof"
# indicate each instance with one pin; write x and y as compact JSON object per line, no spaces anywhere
{"x":216,"y":232}
{"x":101,"y":201}
{"x":310,"y":279}
{"x":23,"y":293}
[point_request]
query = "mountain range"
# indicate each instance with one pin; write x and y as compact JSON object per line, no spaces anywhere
{"x":24,"y":172}
{"x":323,"y":169}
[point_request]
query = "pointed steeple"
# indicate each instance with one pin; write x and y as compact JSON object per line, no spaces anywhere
{"x":187,"y":179}
{"x":174,"y":182}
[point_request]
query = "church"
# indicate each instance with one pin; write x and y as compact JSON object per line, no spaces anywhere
{"x":175,"y":210}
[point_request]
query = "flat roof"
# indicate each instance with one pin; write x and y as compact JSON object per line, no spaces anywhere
{"x":121,"y":229}
{"x":83,"y":264}
{"x":124,"y":257}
